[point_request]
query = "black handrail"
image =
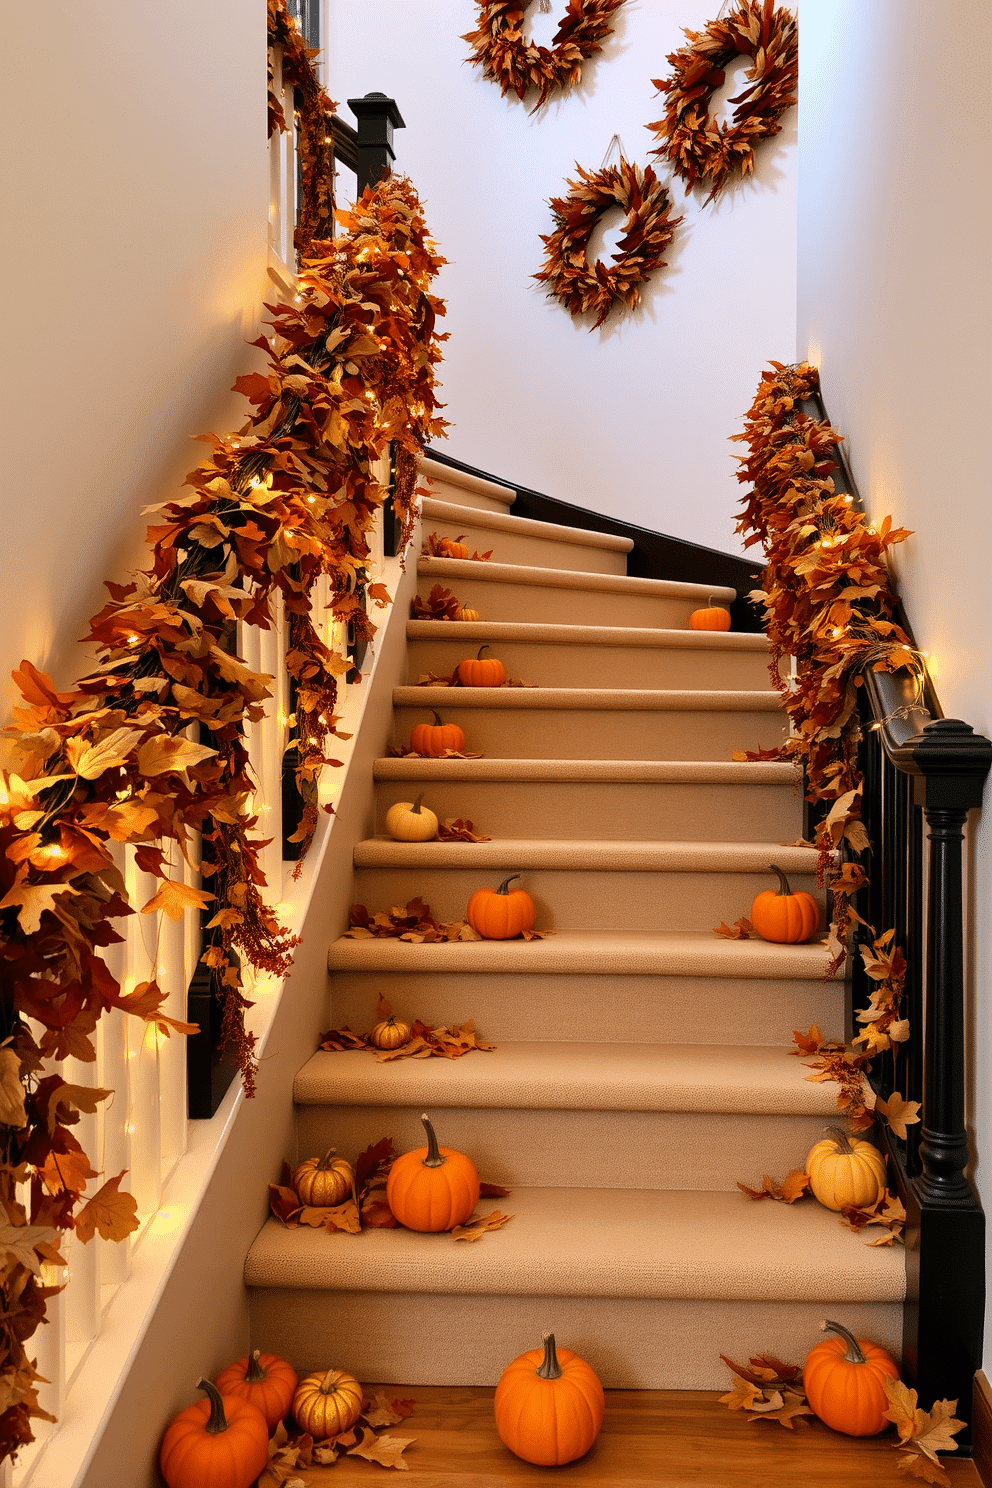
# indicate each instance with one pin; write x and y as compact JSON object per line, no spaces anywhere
{"x":923,"y":773}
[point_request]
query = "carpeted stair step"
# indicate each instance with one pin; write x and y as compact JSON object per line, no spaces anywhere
{"x":633,"y":800}
{"x":448,"y":484}
{"x":522,"y":540}
{"x":673,"y":1116}
{"x":610,"y":986}
{"x":515,"y":592}
{"x":594,"y":656}
{"x":649,"y":1286}
{"x":586,"y":884}
{"x":587,"y":723}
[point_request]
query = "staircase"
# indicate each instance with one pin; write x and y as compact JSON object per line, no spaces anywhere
{"x":642,"y":1064}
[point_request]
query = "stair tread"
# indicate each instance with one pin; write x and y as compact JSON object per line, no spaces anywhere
{"x":576,"y":699}
{"x":584,"y":1242}
{"x":564,"y":578}
{"x":434,"y":470}
{"x":591,"y":953}
{"x":619,"y":857}
{"x":671,"y":772}
{"x":753,"y":1080}
{"x":667,"y":638}
{"x":471,"y":516}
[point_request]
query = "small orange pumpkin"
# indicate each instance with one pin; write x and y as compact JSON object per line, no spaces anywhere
{"x":501,"y":914}
{"x":325,"y":1404}
{"x":265,"y":1380}
{"x":322,"y":1182}
{"x":222,"y":1441}
{"x":453,"y":547}
{"x":465,"y":612}
{"x":714,"y":617}
{"x":782,"y":916}
{"x":481,"y":671}
{"x":434,"y":739}
{"x":391,"y":1034}
{"x":844,"y":1380}
{"x":549,"y":1406}
{"x":844,"y":1171}
{"x":432,"y":1188}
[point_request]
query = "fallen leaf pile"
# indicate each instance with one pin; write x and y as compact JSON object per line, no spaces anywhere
{"x":423,"y":1043}
{"x":458,"y":829}
{"x":441,"y":679}
{"x":793,"y":1186}
{"x":415,"y":923}
{"x":440,"y":604}
{"x":498,"y":46}
{"x":400,"y":751}
{"x":768,"y":1388}
{"x":922,"y":1434}
{"x":367,"y":1208}
{"x":433,"y":548}
{"x":887,"y":1211}
{"x":695,"y":146}
{"x":272,"y":509}
{"x":288,"y":1453}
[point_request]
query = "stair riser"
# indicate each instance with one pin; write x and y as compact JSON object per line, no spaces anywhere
{"x":583,"y":899}
{"x":633,"y":1344}
{"x":694,"y":1150}
{"x":572,"y":810}
{"x":550,"y":604}
{"x":591,"y":1009}
{"x":602,"y":734}
{"x":599,"y":666}
{"x":530,"y":552}
{"x":444,"y":490}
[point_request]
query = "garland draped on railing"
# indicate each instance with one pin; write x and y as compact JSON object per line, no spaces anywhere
{"x":828,"y":605}
{"x":149,"y":748}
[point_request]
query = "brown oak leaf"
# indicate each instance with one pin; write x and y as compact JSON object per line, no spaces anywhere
{"x":479,"y":1225}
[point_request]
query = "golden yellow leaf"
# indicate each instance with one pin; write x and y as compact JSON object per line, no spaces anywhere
{"x":173,"y":899}
{"x":170,"y":752}
{"x":112,"y":1213}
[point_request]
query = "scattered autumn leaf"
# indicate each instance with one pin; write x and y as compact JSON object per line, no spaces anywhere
{"x":480,"y":1224}
{"x":742,"y":929}
{"x":112,"y":1213}
{"x":922,"y":1434}
{"x":793,"y":1186}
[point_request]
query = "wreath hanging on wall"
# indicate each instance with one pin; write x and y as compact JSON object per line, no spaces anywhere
{"x":648,"y":229}
{"x":696,"y":146}
{"x":498,"y":45}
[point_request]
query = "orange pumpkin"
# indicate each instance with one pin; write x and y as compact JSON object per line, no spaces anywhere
{"x":844,"y":1380}
{"x":327,"y":1404}
{"x":324,"y":1181}
{"x":465,"y":612}
{"x":845,"y":1171}
{"x":549,"y":1406}
{"x":434,"y":739}
{"x":221,"y":1441}
{"x":265,"y":1380}
{"x":782,"y":916}
{"x":481,"y":671}
{"x":714,"y":617}
{"x":501,"y":914}
{"x":432,"y":1188}
{"x":453,"y":547}
{"x":391,"y":1034}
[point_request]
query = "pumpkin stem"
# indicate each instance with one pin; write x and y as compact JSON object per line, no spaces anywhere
{"x":841,"y":1138}
{"x":853,"y":1354}
{"x":217,"y":1421}
{"x":504,"y":887}
{"x":783,"y":882}
{"x":549,"y":1367}
{"x":433,"y":1158}
{"x":328,"y":1385}
{"x":437,"y":718}
{"x":415,"y":808}
{"x":254,"y":1374}
{"x":478,"y":654}
{"x":327,"y":1161}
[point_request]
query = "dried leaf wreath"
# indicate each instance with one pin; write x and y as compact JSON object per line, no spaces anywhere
{"x":648,"y":228}
{"x":499,"y":48}
{"x":695,"y":146}
{"x":290,"y":497}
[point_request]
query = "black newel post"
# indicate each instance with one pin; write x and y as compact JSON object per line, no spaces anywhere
{"x":946,"y":1226}
{"x":377,"y":117}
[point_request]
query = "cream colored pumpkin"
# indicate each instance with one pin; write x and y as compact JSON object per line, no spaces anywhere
{"x":845,"y":1172}
{"x":409,"y":821}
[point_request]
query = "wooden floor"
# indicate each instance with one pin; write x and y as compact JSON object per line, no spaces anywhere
{"x":648,"y":1437}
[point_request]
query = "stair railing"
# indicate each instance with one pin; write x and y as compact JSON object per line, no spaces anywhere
{"x":923,"y":773}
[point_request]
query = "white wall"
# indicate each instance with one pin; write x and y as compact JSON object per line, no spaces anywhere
{"x":894,"y":227}
{"x":632,"y":419}
{"x":135,"y":199}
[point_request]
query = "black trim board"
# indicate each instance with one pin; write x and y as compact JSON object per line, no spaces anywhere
{"x":653,"y":556}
